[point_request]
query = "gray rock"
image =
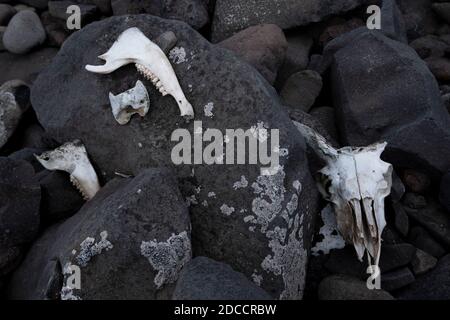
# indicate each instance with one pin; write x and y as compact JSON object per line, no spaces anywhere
{"x":166,"y":41}
{"x":302,"y":89}
{"x":442,"y":10}
{"x":398,"y":188}
{"x":416,"y":181}
{"x":131,"y":241}
{"x":444,"y":193}
{"x":414,"y":201}
{"x":392,"y":22}
{"x":440,"y":67}
{"x":6,"y":13}
{"x":27,"y":154}
{"x":20,"y":195}
{"x":401,"y":219}
{"x":422,"y":262}
{"x":193,"y":12}
{"x":14,"y":101}
{"x":206,"y":279}
{"x":326,"y":117}
{"x":434,"y":219}
{"x":430,"y":46}
{"x":397,"y":279}
{"x":60,"y":199}
{"x":338,"y":27}
{"x":434,"y":285}
{"x":2,"y":31}
{"x":39,"y":4}
{"x":24,"y":32}
{"x":446,"y":101}
{"x":10,"y":259}
{"x":25,"y":67}
{"x":34,"y":137}
{"x":262,"y":46}
{"x":341,"y":287}
{"x":231,"y":16}
{"x":419,"y":17}
{"x":297,"y":56}
{"x":242,"y":99}
{"x":395,"y":104}
{"x":421,"y":239}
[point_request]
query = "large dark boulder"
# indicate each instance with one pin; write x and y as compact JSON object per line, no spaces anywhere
{"x":130,"y":242}
{"x":231,"y":16}
{"x":383,"y":91}
{"x":20,"y":196}
{"x":205,"y":279}
{"x":261,"y":228}
{"x":434,"y":285}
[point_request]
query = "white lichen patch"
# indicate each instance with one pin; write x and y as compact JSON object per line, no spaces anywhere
{"x":257,"y":278}
{"x":331,"y":237}
{"x":67,"y":294}
{"x":260,"y":131}
{"x":226,"y":210}
{"x":177,"y":55}
{"x":211,"y":194}
{"x":167,"y":258}
{"x":89,"y":248}
{"x":288,"y":256}
{"x":208,"y":109}
{"x":192,"y":200}
{"x":297,"y":186}
{"x":243,"y":183}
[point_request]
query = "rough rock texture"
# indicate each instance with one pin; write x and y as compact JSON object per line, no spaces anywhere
{"x":444,"y":194}
{"x":397,"y":279}
{"x":193,"y":12}
{"x":24,"y":67}
{"x":419,"y":17}
{"x":24,"y":32}
{"x":231,"y":16}
{"x":423,"y":262}
{"x":340,"y":287}
{"x":206,"y":279}
{"x":420,"y":238}
{"x":430,"y":46}
{"x":10,"y":258}
{"x":297,"y":56}
{"x":434,"y":219}
{"x":396,"y":99}
{"x":131,"y":241}
{"x":40,"y":4}
{"x":60,"y":199}
{"x":392,"y":22}
{"x":20,"y":196}
{"x":262,"y":228}
{"x":262,"y":46}
{"x":14,"y":101}
{"x":434,"y":285}
{"x":443,"y":10}
{"x":302,"y":89}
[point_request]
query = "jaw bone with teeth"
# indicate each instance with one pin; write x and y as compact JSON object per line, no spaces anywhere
{"x":356,"y":181}
{"x":135,"y":100}
{"x":72,"y":158}
{"x":133,"y":46}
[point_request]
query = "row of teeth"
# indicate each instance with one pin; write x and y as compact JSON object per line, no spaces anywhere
{"x":150,"y":76}
{"x":78,"y":186}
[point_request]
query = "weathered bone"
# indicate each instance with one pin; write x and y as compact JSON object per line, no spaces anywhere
{"x":133,"y":46}
{"x":132,"y":101}
{"x":72,"y":158}
{"x":356,"y":181}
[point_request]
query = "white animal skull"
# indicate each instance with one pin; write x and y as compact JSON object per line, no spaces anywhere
{"x":356,"y":181}
{"x":135,"y":100}
{"x":133,"y":46}
{"x":72,"y":158}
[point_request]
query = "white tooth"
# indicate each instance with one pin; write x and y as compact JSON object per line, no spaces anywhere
{"x":132,"y":46}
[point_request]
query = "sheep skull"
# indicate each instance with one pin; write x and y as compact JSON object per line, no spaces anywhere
{"x":356,"y":181}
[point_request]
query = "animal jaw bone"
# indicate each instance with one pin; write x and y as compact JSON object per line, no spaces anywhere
{"x":133,"y":46}
{"x":72,"y":158}
{"x":135,"y":100}
{"x":356,"y":181}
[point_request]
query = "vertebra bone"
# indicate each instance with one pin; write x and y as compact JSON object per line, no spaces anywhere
{"x":135,"y":100}
{"x":356,"y":181}
{"x":133,"y":46}
{"x":72,"y":158}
